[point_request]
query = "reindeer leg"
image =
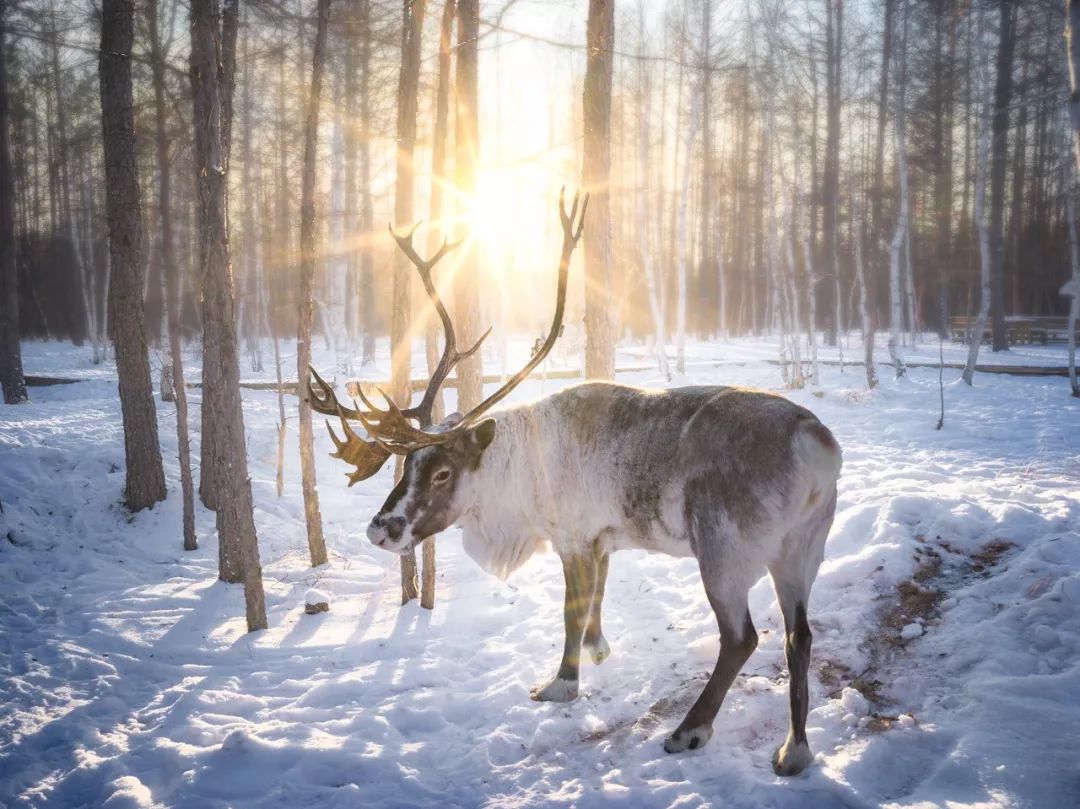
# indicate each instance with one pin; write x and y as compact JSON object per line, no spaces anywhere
{"x":594,"y":635}
{"x":579,"y":573}
{"x":738,"y":639}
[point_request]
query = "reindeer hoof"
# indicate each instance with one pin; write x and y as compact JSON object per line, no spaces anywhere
{"x":598,"y":649}
{"x":557,"y":690}
{"x":688,"y":739}
{"x":791,"y":758}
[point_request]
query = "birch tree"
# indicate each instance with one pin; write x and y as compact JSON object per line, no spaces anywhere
{"x":596,"y":177}
{"x":312,"y":515}
{"x":656,"y":307}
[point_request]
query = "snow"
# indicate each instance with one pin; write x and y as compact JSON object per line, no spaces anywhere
{"x":912,"y":631}
{"x":128,"y":679}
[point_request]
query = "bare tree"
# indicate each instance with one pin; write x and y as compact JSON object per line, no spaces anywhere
{"x":238,"y":557}
{"x":1000,"y":151}
{"x":982,"y":168}
{"x":367,"y":216}
{"x":145,"y":476}
{"x":596,"y":177}
{"x":312,"y":515}
{"x":834,"y":29}
{"x":11,"y":371}
{"x":470,"y":373}
{"x":648,"y":259}
{"x":171,"y":272}
{"x":1072,"y":24}
{"x":904,"y":216}
{"x":400,"y":335}
{"x":210,"y":487}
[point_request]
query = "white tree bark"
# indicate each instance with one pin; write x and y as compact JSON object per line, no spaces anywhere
{"x":648,"y":262}
{"x":811,"y":295}
{"x":864,"y":308}
{"x":338,"y":266}
{"x":684,"y":232}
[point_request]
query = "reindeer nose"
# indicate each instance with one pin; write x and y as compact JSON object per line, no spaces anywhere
{"x":384,"y":527}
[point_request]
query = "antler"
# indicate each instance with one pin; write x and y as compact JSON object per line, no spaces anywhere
{"x":572,"y":226}
{"x":390,"y":428}
{"x":450,"y":356}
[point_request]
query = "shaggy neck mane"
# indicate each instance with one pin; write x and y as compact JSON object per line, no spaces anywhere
{"x":503,"y":528}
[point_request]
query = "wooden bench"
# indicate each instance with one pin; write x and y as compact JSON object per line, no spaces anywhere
{"x":1020,"y":331}
{"x":1051,"y":329}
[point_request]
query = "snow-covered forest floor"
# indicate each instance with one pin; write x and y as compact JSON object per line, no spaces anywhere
{"x":946,"y":616}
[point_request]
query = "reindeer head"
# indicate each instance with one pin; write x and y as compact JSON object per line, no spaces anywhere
{"x":436,"y":485}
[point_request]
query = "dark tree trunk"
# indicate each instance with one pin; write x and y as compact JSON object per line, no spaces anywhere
{"x":400,"y":336}
{"x":11,"y":371}
{"x":313,"y":518}
{"x":238,"y":556}
{"x":145,"y":477}
{"x":438,"y":229}
{"x":596,"y":177}
{"x":209,"y":486}
{"x":172,"y":279}
{"x":1000,"y":150}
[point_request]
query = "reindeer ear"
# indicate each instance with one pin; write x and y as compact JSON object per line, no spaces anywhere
{"x":479,"y":437}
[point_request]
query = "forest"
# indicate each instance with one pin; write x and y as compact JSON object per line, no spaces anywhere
{"x":224,"y":221}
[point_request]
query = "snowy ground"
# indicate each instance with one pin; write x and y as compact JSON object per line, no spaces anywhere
{"x":950,"y":596}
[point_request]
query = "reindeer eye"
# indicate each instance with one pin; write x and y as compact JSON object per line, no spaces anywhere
{"x":441,"y":477}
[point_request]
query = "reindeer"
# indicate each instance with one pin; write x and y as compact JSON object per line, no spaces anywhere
{"x":742,"y":480}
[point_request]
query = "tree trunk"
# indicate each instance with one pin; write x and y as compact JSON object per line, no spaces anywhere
{"x":831,"y":173}
{"x":238,"y":558}
{"x":982,"y":159}
{"x":864,"y":309}
{"x":878,"y":255}
{"x":684,"y":234}
{"x":596,"y":177}
{"x":172,"y":280}
{"x":437,"y":231}
{"x":1072,"y":288}
{"x":11,"y":371}
{"x":470,"y":371}
{"x":145,"y":477}
{"x":903,"y":218}
{"x":400,"y":336}
{"x":644,"y":230}
{"x":210,"y":487}
{"x":706,"y":254}
{"x":312,"y":516}
{"x":1002,"y":99}
{"x":66,"y":219}
{"x":1072,"y":25}
{"x":367,"y":214}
